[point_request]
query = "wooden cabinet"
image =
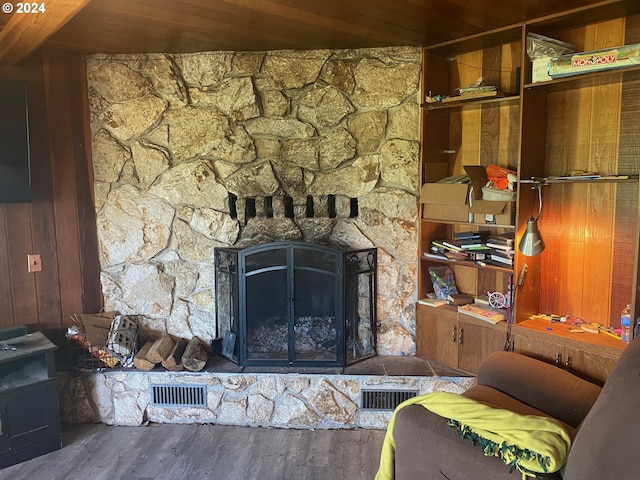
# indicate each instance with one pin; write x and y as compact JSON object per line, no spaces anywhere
{"x":590,"y":356}
{"x":455,"y":339}
{"x":29,"y":418}
{"x":545,"y":131}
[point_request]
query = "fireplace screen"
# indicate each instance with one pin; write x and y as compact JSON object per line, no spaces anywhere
{"x":295,"y":303}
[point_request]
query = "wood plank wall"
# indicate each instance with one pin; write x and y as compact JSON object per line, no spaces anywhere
{"x":591,"y":129}
{"x":59,"y":224}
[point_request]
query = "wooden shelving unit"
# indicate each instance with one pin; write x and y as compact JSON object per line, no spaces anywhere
{"x":588,"y":122}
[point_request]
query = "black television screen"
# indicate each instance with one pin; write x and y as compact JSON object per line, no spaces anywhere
{"x":15,"y":175}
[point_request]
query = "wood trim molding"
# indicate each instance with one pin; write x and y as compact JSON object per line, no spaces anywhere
{"x":24,"y":33}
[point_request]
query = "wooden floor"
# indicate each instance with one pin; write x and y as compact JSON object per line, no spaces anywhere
{"x":100,"y":452}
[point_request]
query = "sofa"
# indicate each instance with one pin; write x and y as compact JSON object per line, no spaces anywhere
{"x":602,"y":422}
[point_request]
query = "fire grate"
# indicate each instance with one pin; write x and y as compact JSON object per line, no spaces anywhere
{"x":384,"y":399}
{"x":179,"y":395}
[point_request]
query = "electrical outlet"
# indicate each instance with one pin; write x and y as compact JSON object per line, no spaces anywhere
{"x":35,"y":263}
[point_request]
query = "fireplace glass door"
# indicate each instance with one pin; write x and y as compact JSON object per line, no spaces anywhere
{"x":315,"y":305}
{"x":295,"y":304}
{"x":291,"y":301}
{"x":267,"y":307}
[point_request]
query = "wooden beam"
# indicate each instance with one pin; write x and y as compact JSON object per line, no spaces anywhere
{"x":24,"y":33}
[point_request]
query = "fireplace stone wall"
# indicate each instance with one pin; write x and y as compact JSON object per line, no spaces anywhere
{"x":230,"y":149}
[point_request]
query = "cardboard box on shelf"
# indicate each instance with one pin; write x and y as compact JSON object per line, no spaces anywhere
{"x":443,"y":201}
{"x":595,"y":60}
{"x":487,"y":211}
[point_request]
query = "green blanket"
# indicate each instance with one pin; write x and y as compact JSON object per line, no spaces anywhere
{"x":532,"y":444}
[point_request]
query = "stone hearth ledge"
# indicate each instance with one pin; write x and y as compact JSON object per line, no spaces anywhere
{"x":290,"y":400}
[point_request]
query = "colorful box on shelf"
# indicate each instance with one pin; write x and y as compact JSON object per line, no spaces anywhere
{"x":482,"y":211}
{"x":593,"y":61}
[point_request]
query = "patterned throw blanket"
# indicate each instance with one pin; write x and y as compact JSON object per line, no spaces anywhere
{"x":529,"y":443}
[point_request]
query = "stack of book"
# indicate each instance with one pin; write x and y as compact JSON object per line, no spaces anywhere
{"x":480,"y":246}
{"x":501,"y":249}
{"x":468,"y":245}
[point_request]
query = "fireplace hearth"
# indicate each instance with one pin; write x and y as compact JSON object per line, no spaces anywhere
{"x":296,"y":304}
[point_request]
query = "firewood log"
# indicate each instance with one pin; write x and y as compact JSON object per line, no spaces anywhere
{"x":195,"y":357}
{"x":173,"y":362}
{"x":140,"y":359}
{"x":160,"y":349}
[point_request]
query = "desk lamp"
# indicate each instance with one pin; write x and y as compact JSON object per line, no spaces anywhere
{"x":531,"y":243}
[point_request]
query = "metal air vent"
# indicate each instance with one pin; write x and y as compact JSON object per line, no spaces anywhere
{"x":384,"y":399}
{"x":179,"y":395}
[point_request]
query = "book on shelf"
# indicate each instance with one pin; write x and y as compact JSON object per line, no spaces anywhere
{"x":482,"y":300}
{"x":503,"y":241}
{"x":456,"y":255}
{"x":477,"y":255}
{"x":443,"y":246}
{"x":471,"y":246}
{"x":451,"y":245}
{"x":433,"y":302}
{"x":498,"y":246}
{"x":503,"y":253}
{"x":480,"y":248}
{"x":507,"y":262}
{"x":459,"y":299}
{"x":434,"y":256}
{"x":497,"y":263}
{"x":488,"y":314}
{"x":471,"y":234}
{"x":458,"y":245}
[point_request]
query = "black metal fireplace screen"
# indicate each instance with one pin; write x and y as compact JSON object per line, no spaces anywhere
{"x":296,"y":304}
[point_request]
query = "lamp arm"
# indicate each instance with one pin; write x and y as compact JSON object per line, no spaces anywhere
{"x":539,"y":186}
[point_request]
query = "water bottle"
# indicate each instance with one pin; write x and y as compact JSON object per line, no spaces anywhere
{"x":625,"y":323}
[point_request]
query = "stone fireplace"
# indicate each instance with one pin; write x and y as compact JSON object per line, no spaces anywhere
{"x":196,"y":152}
{"x":296,"y":304}
{"x":204,"y":152}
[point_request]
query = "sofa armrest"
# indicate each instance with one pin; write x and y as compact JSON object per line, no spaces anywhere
{"x":545,"y":387}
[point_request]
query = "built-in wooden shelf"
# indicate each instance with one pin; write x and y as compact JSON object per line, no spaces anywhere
{"x":578,"y":179}
{"x":465,"y":263}
{"x":472,"y":102}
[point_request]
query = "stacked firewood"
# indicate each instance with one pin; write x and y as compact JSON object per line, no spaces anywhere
{"x":174,"y":354}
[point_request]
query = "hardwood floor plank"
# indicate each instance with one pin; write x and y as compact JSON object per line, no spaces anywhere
{"x":160,"y":452}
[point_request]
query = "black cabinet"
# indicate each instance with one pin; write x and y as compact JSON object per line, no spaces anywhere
{"x":29,"y":418}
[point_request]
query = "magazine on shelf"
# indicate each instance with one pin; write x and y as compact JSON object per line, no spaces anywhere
{"x":488,"y":314}
{"x":433,"y":302}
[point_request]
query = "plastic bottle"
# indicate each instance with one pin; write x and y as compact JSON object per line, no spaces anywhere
{"x":625,"y":324}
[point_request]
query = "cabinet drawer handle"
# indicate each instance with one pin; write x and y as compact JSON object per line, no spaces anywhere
{"x":558,"y":359}
{"x":461,"y":336}
{"x":453,"y":335}
{"x":567,"y":362}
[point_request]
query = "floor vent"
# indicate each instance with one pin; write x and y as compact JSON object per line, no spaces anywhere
{"x":179,"y":395}
{"x":385,"y":399}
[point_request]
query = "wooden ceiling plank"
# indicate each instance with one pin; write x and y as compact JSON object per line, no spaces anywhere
{"x":312,"y":19}
{"x":24,"y":33}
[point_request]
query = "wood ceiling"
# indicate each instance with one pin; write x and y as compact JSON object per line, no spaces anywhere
{"x":142,"y":26}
